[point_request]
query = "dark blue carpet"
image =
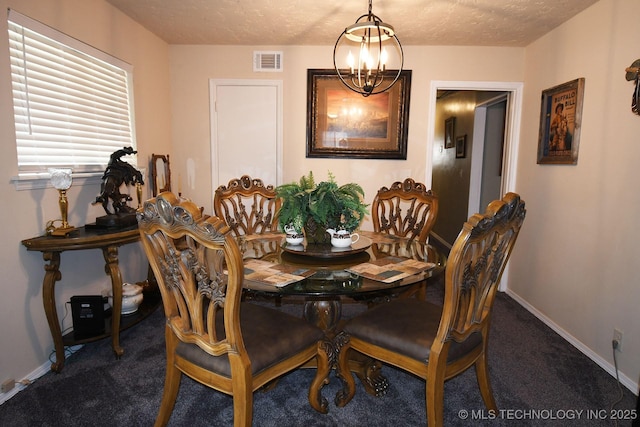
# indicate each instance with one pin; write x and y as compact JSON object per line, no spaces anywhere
{"x":538,"y":379}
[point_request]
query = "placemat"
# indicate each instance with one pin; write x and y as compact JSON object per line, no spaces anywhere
{"x":390,"y":269}
{"x":273,"y":274}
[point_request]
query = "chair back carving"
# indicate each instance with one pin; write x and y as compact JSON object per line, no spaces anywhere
{"x":406,"y":209}
{"x":437,"y":343}
{"x":187,"y":253}
{"x":475,"y":265}
{"x":247,"y":206}
{"x":211,"y":336}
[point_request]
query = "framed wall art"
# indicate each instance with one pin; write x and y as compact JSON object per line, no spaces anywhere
{"x":560,"y":123}
{"x":461,"y":147}
{"x":160,"y":173}
{"x":449,"y":132}
{"x":342,"y":123}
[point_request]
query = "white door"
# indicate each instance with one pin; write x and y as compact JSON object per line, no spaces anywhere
{"x":246,"y":130}
{"x":487,"y":153}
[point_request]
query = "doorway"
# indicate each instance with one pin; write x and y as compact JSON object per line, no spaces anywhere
{"x":456,"y":179}
{"x":489,"y":125}
{"x":513,"y":111}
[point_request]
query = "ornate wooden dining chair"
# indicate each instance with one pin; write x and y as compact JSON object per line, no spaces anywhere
{"x":437,"y":343}
{"x":211,"y":336}
{"x":247,"y":206}
{"x":406,"y":209}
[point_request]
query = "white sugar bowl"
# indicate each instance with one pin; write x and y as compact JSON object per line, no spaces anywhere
{"x":131,"y":298}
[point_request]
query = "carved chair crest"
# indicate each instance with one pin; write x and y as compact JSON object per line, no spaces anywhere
{"x":406,"y":209}
{"x":247,"y":206}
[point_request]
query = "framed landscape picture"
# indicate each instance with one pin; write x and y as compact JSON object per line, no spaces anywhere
{"x":342,"y":123}
{"x":560,"y":123}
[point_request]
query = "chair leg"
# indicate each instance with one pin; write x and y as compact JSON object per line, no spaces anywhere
{"x":170,"y":393}
{"x":171,"y":380}
{"x":242,"y":405}
{"x":316,"y":400}
{"x":346,"y":393}
{"x":435,"y":396}
{"x":482,"y":373}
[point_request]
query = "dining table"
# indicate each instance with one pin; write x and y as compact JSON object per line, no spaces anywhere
{"x":374,"y":269}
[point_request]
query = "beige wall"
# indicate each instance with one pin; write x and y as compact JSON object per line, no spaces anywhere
{"x":193,"y":66}
{"x":575,"y":262}
{"x":25,"y":339}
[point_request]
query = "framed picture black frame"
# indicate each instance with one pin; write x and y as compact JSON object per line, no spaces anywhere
{"x":345,"y":124}
{"x":449,"y":132}
{"x":461,"y":147}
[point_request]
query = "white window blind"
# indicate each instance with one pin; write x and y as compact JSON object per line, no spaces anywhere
{"x":72,"y":103}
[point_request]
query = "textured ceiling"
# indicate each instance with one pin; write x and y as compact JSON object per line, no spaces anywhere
{"x":319,"y":22}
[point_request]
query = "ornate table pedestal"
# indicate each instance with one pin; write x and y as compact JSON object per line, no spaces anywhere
{"x":324,"y":290}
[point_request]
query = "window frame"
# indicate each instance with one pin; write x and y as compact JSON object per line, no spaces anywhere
{"x":86,"y":173}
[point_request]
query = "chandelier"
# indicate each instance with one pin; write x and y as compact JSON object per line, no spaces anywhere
{"x":376,"y":46}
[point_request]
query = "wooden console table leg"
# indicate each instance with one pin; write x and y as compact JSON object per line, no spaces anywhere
{"x":52,"y":274}
{"x":110,"y":254}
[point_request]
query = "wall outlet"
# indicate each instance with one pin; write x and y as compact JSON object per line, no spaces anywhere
{"x":617,"y":336}
{"x":8,"y":385}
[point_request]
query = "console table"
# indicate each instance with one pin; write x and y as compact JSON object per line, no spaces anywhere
{"x":108,"y":240}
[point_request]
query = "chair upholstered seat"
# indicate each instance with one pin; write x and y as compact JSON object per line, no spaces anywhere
{"x":269,"y":336}
{"x":407,"y":327}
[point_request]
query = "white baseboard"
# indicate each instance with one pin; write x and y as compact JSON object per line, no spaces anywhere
{"x":624,"y":380}
{"x":34,"y":375}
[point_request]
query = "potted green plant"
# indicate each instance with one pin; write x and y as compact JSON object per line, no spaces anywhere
{"x":316,"y":207}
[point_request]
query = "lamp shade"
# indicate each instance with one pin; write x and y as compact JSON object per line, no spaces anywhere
{"x":60,"y":178}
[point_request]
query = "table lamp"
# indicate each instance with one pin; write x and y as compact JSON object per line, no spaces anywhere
{"x":61,"y":180}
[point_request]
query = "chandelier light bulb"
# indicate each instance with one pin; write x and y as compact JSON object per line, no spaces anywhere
{"x":350,"y":61}
{"x":384,"y":57}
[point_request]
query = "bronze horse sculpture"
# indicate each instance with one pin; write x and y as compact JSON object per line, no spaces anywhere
{"x":117,"y":173}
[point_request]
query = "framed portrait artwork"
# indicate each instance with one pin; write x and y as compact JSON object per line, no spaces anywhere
{"x":560,"y":123}
{"x":449,"y":132}
{"x":461,"y":147}
{"x":342,"y":123}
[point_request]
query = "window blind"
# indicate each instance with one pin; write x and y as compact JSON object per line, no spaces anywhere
{"x":72,"y":103}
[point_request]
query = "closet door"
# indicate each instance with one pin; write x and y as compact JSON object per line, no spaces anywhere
{"x":246,"y":130}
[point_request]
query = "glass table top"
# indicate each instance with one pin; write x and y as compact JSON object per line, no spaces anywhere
{"x":318,"y":271}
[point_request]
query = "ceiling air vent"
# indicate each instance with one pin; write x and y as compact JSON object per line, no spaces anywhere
{"x":267,"y":61}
